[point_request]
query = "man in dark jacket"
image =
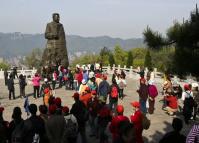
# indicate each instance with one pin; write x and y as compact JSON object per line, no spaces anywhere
{"x":6,"y":76}
{"x":22,"y":85}
{"x":80,"y":112}
{"x":104,"y":88}
{"x":34,"y":127}
{"x":11,"y":87}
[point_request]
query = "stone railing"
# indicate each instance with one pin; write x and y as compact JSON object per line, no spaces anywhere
{"x":28,"y":73}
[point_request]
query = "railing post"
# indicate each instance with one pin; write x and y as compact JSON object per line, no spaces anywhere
{"x":131,"y":72}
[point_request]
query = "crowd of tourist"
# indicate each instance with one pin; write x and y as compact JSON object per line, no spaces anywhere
{"x":95,"y":105}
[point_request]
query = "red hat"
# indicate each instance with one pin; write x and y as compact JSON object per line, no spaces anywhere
{"x":58,"y":101}
{"x":93,"y":92}
{"x":105,"y":77}
{"x":120,"y":109}
{"x":52,"y":109}
{"x":87,"y":88}
{"x":98,"y":75}
{"x":65,"y":109}
{"x":135,"y":104}
{"x":76,"y":95}
{"x":186,"y":87}
{"x":1,"y":109}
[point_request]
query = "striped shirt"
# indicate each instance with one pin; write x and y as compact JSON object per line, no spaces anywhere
{"x":193,"y":136}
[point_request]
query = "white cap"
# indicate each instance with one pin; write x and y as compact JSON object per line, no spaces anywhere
{"x":45,"y":79}
{"x":83,"y":81}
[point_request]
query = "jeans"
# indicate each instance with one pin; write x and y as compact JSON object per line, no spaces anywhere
{"x":113,"y":105}
{"x":22,"y":92}
{"x":53,"y":84}
{"x":143,"y":106}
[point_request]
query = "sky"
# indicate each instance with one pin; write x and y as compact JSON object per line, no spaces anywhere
{"x":91,"y":18}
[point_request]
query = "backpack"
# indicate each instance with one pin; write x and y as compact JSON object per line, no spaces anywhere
{"x":114,"y":92}
{"x":153,"y":92}
{"x":71,"y":127}
{"x":145,"y":122}
{"x":17,"y":134}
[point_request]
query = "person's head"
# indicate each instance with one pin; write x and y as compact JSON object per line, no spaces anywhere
{"x":58,"y":101}
{"x":84,"y":82}
{"x":33,"y":109}
{"x":135,"y":105}
{"x":169,"y":92}
{"x":76,"y":96}
{"x":52,"y":109}
{"x":45,"y":80}
{"x":105,"y":77}
{"x":127,"y":131}
{"x":65,"y":110}
{"x":43,"y":109}
{"x":36,"y":75}
{"x":186,"y":87}
{"x":114,"y":81}
{"x":56,"y":17}
{"x":177,"y":124}
{"x":21,"y":76}
{"x":10,"y":76}
{"x":120,"y":109}
{"x":142,"y":81}
{"x":16,"y":113}
{"x":195,"y":86}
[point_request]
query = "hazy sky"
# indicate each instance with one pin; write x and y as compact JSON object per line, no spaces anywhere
{"x":116,"y":18}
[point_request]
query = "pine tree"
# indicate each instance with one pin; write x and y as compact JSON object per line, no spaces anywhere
{"x":111,"y":59}
{"x":148,"y":61}
{"x":129,"y":59}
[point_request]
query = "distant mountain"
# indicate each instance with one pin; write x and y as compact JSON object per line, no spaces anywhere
{"x":18,"y":44}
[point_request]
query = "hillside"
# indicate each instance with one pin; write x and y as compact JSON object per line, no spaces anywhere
{"x":18,"y":44}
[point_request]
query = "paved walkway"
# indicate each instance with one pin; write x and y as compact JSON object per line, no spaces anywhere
{"x":160,"y":122}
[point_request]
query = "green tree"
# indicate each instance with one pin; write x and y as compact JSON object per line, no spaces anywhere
{"x":119,"y":55}
{"x":4,"y":66}
{"x":34,"y":59}
{"x":104,"y":56}
{"x":148,"y":61}
{"x":129,"y":59}
{"x":111,"y":59}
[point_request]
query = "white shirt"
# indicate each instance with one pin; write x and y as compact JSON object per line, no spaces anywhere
{"x":186,"y":94}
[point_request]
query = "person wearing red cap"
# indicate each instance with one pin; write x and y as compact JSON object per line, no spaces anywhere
{"x":136,"y":119}
{"x":71,"y":130}
{"x":143,"y":95}
{"x":187,"y":98}
{"x":104,"y":88}
{"x":80,"y":112}
{"x":3,"y":127}
{"x":86,"y":97}
{"x":114,"y":126}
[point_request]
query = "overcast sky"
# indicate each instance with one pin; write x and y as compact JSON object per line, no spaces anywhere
{"x":116,"y":18}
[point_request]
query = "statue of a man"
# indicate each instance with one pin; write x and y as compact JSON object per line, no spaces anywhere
{"x":56,"y":51}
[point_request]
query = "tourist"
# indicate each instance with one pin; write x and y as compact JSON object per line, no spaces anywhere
{"x":3,"y":127}
{"x":174,"y":136}
{"x":98,"y":79}
{"x":22,"y":85}
{"x":11,"y":87}
{"x":122,"y":84}
{"x":43,"y":112}
{"x":177,"y":89}
{"x":85,"y":75}
{"x":104,"y":117}
{"x":193,"y":136}
{"x":187,"y":98}
{"x":93,"y":107}
{"x":136,"y":119}
{"x":172,"y":103}
{"x":36,"y":85}
{"x":80,"y":112}
{"x":86,"y":96}
{"x":58,"y":103}
{"x":54,"y":80}
{"x":14,"y":72}
{"x":16,"y":129}
{"x":70,"y":79}
{"x":123,"y":74}
{"x":114,"y":75}
{"x":83,"y":87}
{"x":5,"y":76}
{"x":71,"y":131}
{"x":46,"y":92}
{"x":126,"y":133}
{"x":196,"y":99}
{"x":143,"y":95}
{"x":153,"y":93}
{"x":113,"y":96}
{"x":92,"y":84}
{"x":60,"y":77}
{"x":34,"y":127}
{"x":104,"y":88}
{"x":55,"y":126}
{"x":114,"y":126}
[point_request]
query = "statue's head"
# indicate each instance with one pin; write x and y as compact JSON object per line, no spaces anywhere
{"x":56,"y":17}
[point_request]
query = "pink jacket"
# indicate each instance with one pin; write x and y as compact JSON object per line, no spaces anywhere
{"x":36,"y":81}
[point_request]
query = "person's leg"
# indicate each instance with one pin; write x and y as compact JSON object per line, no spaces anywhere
{"x":92,"y":125}
{"x":38,"y":87}
{"x":34,"y":88}
{"x":13,"y":93}
{"x":143,"y":106}
{"x":20,"y":90}
{"x":23,"y":92}
{"x":195,"y":111}
{"x":83,"y":134}
{"x":9,"y":94}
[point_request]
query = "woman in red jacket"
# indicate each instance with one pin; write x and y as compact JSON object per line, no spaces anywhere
{"x":136,"y":119}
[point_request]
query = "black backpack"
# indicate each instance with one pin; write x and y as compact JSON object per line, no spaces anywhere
{"x":18,"y":133}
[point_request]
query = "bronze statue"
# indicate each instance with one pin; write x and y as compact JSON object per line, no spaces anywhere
{"x":55,"y":52}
